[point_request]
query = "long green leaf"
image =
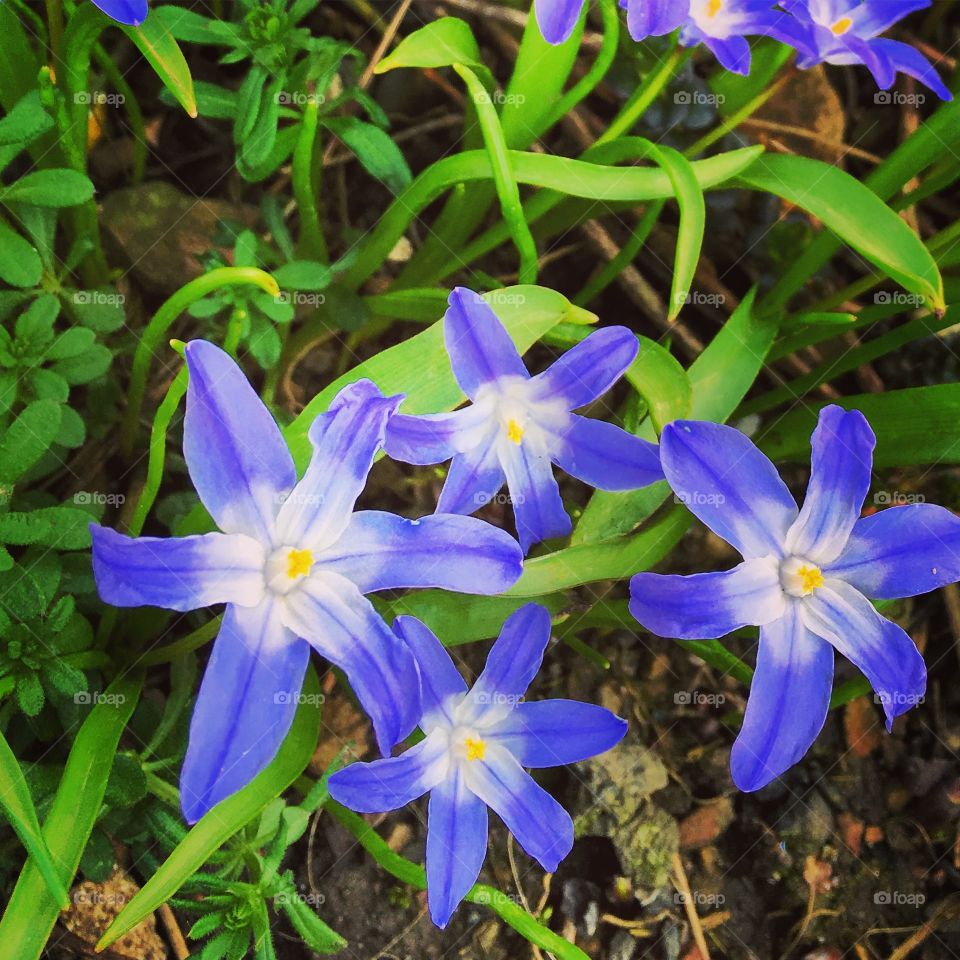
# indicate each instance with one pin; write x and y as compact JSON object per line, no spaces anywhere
{"x":18,"y":806}
{"x":915,"y":425}
{"x":32,"y":910}
{"x":226,"y":818}
{"x":855,"y":214}
{"x":162,"y":52}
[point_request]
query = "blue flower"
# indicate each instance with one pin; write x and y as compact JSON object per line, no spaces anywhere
{"x":130,"y":12}
{"x":721,"y":25}
{"x":557,"y":18}
{"x":292,"y":565}
{"x":805,"y":579}
{"x":848,"y":31}
{"x":517,"y":424}
{"x":476,"y":745}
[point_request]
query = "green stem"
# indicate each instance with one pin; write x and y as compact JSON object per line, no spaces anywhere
{"x":138,"y":127}
{"x":407,"y":872}
{"x":648,"y":91}
{"x":507,"y":189}
{"x":312,"y":244}
{"x":163,"y":319}
{"x":192,"y":641}
{"x":55,"y":29}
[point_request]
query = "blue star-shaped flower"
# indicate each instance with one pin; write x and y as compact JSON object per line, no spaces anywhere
{"x":804,"y":580}
{"x":848,"y":31}
{"x":518,"y":425}
{"x":292,"y":565}
{"x":130,"y":12}
{"x":476,"y":745}
{"x":720,"y":25}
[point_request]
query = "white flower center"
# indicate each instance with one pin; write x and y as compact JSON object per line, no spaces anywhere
{"x":800,"y":577}
{"x":286,"y":568}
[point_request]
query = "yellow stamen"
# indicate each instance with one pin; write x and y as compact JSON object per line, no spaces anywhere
{"x":842,"y":26}
{"x":514,"y":431}
{"x":810,"y":579}
{"x":476,"y":749}
{"x":299,"y":563}
{"x":714,"y":7}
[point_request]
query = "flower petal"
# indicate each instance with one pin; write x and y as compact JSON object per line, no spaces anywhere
{"x":729,"y":484}
{"x":474,"y":479}
{"x":708,"y":605}
{"x":235,"y":453}
{"x":557,"y":18}
{"x":130,"y":12}
{"x":441,"y":685}
{"x":345,"y":441}
{"x":245,"y":706}
{"x":331,"y":614}
{"x":788,"y":703}
{"x":905,"y":59}
{"x":901,"y":552}
{"x":479,"y":347}
{"x":605,"y":456}
{"x":177,"y":573}
{"x":589,"y":369}
{"x":456,"y":845}
{"x":513,"y":660}
{"x":880,"y":649}
{"x":541,"y":826}
{"x":878,"y":16}
{"x":550,"y":733}
{"x":430,"y":438}
{"x":654,"y":18}
{"x":842,"y":457}
{"x":391,"y":782}
{"x":534,"y":492}
{"x":732,"y":52}
{"x":381,"y":551}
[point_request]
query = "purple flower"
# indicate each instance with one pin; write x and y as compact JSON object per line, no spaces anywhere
{"x":517,"y":425}
{"x":476,"y":745}
{"x":848,"y":31}
{"x":292,"y":565}
{"x":805,"y":579}
{"x":721,"y":25}
{"x":130,"y":12}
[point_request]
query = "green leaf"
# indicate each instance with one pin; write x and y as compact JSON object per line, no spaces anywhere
{"x":28,"y":438}
{"x":314,"y":932}
{"x":157,"y":44}
{"x":30,"y":695}
{"x":49,"y":188}
{"x":21,"y":126}
{"x":375,"y":150}
{"x":226,"y":818}
{"x":94,"y":363}
{"x":303,"y":275}
{"x":127,"y":784}
{"x":18,"y":808}
{"x":913,"y":426}
{"x":693,"y":216}
{"x":31,"y":911}
{"x":438,"y":44}
{"x":419,"y":367}
{"x":20,"y":264}
{"x":71,"y":343}
{"x":66,"y":528}
{"x":856,"y":215}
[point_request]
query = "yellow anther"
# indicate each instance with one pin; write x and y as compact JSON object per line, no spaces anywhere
{"x":714,"y":7}
{"x":810,"y":579}
{"x":299,"y":563}
{"x":514,"y":431}
{"x":842,"y":26}
{"x":476,"y":749}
